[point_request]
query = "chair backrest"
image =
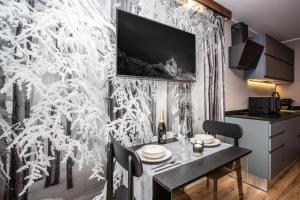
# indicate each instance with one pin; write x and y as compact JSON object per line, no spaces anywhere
{"x":224,"y":129}
{"x":128,"y":159}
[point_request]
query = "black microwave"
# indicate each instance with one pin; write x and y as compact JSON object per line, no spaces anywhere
{"x":264,"y":105}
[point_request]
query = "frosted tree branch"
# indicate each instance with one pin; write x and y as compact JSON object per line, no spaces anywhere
{"x":67,"y":37}
{"x":71,"y":57}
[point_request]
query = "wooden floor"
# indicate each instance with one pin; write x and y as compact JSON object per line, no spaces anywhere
{"x":287,"y":188}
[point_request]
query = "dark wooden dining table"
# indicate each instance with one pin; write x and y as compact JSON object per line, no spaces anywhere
{"x":167,"y":182}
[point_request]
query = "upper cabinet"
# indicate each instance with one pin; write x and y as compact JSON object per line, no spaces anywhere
{"x":276,"y":63}
{"x":276,"y":49}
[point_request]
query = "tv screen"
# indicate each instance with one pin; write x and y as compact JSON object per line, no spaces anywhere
{"x":150,"y":49}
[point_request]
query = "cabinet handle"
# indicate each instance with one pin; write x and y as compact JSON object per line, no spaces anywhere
{"x":281,"y":146}
{"x":277,"y":134}
{"x":298,"y":136}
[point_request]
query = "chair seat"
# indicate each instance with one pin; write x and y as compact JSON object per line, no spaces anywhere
{"x":219,"y":173}
{"x":121,"y":193}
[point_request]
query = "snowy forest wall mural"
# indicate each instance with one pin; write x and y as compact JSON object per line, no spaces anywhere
{"x":60,"y":97}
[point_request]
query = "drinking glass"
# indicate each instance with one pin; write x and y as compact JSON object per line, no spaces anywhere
{"x":176,"y":130}
{"x":184,"y":152}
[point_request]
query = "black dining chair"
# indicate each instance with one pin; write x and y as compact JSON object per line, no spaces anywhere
{"x":235,"y":132}
{"x":130,"y":161}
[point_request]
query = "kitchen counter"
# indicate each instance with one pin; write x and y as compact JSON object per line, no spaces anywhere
{"x":272,"y":118}
{"x":274,"y":141}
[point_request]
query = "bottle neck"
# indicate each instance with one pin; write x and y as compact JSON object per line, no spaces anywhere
{"x":162,"y":116}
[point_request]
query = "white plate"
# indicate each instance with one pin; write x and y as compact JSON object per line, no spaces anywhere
{"x":205,"y":138}
{"x":154,"y":151}
{"x":216,"y":142}
{"x":154,"y":156}
{"x":167,"y":155}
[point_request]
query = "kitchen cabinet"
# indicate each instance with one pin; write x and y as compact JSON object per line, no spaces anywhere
{"x":277,"y":161}
{"x":276,"y":62}
{"x":275,"y":48}
{"x":292,"y":139}
{"x":298,"y":135}
{"x":256,"y":138}
{"x":277,"y":69}
{"x":279,"y":137}
{"x":275,"y":146}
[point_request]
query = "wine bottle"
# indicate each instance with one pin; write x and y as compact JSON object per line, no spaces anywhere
{"x":162,"y":132}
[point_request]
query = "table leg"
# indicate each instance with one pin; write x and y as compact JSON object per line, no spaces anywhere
{"x":160,"y":193}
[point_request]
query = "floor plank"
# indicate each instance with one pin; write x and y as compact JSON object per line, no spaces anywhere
{"x":286,"y":188}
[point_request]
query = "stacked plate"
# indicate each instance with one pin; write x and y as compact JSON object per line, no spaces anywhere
{"x":208,"y":140}
{"x":154,"y":153}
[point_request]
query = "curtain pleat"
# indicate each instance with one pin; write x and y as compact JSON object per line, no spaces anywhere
{"x":214,"y":71}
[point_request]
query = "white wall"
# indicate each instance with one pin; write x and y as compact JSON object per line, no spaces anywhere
{"x":293,"y":90}
{"x":237,"y":90}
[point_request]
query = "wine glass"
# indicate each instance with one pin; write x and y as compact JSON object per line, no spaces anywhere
{"x":184,"y":145}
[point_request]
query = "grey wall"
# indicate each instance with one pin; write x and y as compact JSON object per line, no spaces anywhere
{"x":237,"y":90}
{"x":293,"y":90}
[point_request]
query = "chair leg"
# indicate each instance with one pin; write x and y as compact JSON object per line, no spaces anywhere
{"x":239,"y":179}
{"x":207,"y":183}
{"x":215,"y":189}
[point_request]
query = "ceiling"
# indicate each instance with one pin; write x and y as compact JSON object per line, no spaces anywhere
{"x":278,"y":18}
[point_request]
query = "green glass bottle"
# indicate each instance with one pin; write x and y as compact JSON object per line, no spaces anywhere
{"x":162,"y":131}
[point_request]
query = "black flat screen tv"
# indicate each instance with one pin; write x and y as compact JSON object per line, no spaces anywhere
{"x":148,"y":49}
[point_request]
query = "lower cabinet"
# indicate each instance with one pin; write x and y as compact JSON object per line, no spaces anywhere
{"x":292,"y":142}
{"x":297,"y":130}
{"x":277,"y":161}
{"x":274,"y":146}
{"x":278,"y":147}
{"x":284,"y":145}
{"x":298,"y":141}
